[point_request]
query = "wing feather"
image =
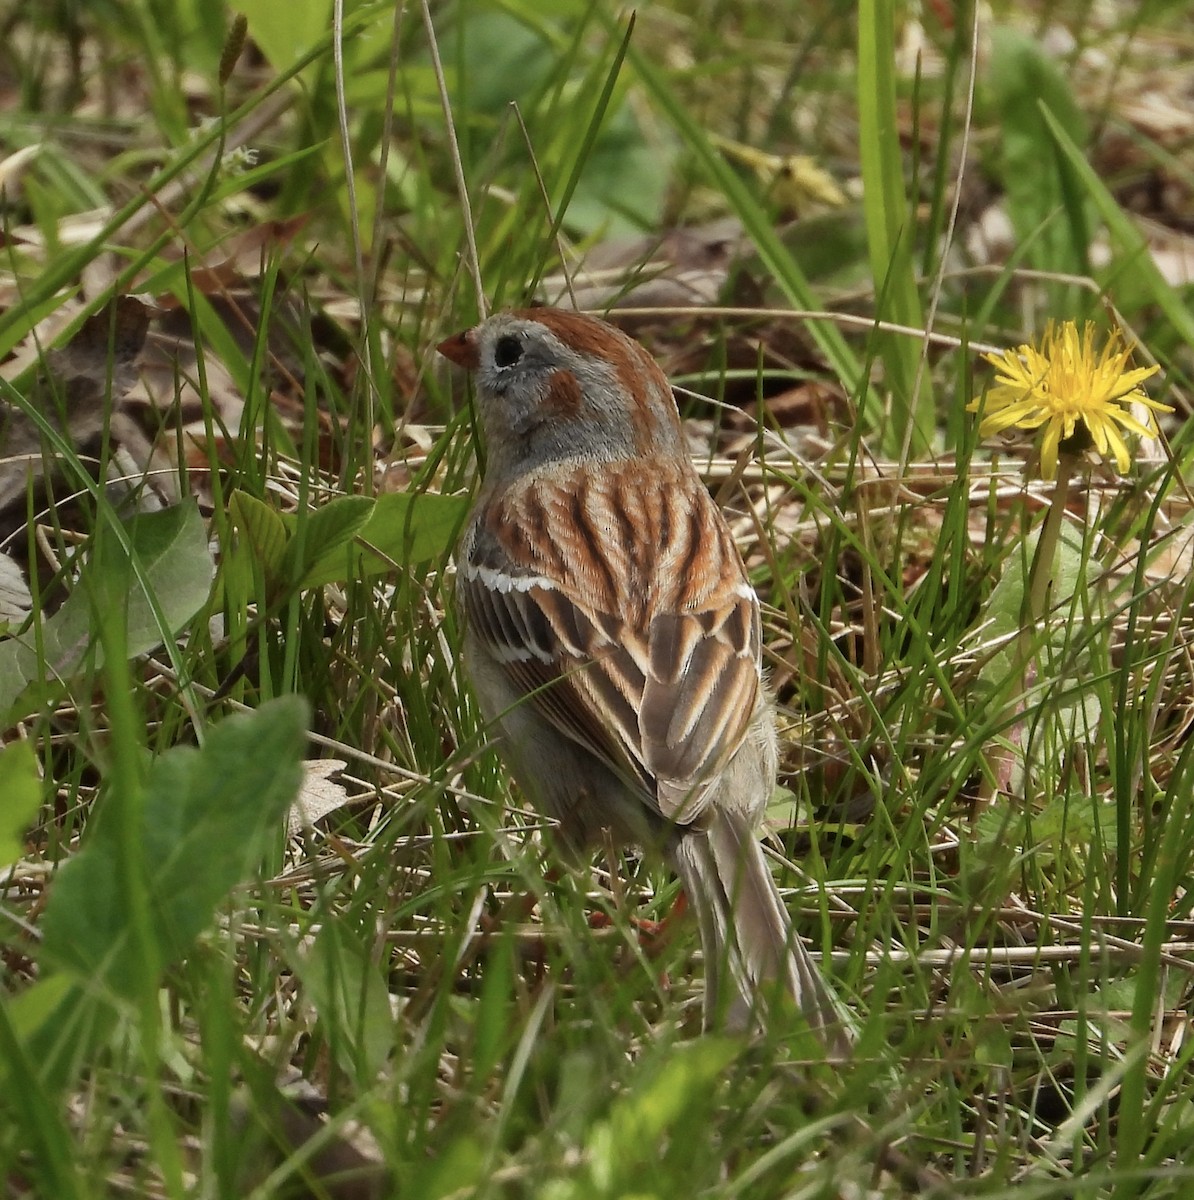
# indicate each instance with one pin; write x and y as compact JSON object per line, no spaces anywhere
{"x":649,"y":657}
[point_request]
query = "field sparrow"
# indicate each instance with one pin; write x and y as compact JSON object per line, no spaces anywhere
{"x":613,"y":638}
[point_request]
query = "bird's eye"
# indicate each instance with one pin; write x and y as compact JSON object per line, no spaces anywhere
{"x":507,"y":350}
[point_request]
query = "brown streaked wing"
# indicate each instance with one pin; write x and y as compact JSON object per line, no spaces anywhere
{"x":663,"y":691}
{"x":547,"y":665}
{"x":693,"y":720}
{"x":509,"y":623}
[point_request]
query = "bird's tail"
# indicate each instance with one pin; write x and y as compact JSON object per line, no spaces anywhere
{"x":746,"y":934}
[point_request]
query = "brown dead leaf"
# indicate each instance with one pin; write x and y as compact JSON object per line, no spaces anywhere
{"x":683,"y":267}
{"x":16,"y":601}
{"x":318,"y":796}
{"x":235,"y":261}
{"x":76,"y":391}
{"x":344,"y":1163}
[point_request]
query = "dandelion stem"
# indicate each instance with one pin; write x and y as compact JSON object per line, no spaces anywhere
{"x":1041,"y":572}
{"x":1040,"y":575}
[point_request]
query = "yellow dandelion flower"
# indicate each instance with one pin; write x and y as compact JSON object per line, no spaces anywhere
{"x":1071,"y":387}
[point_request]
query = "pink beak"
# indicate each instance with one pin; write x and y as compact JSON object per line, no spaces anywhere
{"x":461,"y":348}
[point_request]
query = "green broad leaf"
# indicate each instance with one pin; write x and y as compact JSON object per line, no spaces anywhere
{"x":59,"y":1024}
{"x":1061,"y":709}
{"x":831,"y":248}
{"x":37,"y":1118}
{"x":1076,"y":819}
{"x":349,"y":994}
{"x":649,"y":1128}
{"x":262,"y":529}
{"x":1004,"y":613}
{"x":31,"y":1009}
{"x":404,"y":528}
{"x":285,"y":32}
{"x":209,"y":815}
{"x":164,"y":580}
{"x":20,"y":796}
{"x":504,"y":60}
{"x":623,"y":185}
{"x":325,"y":535}
{"x":463,"y":1167}
{"x":992,"y":1043}
{"x":642,"y":1119}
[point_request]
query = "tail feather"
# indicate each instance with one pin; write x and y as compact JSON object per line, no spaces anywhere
{"x":745,"y":931}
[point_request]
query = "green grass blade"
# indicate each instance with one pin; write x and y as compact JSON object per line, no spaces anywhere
{"x":1137,"y":261}
{"x":775,"y":255}
{"x":890,"y":230}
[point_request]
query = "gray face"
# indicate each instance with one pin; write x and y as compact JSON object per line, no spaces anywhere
{"x":518,"y":357}
{"x":556,"y":386}
{"x":545,"y":401}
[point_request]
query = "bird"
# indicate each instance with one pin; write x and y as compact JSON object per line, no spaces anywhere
{"x":613,"y":640}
